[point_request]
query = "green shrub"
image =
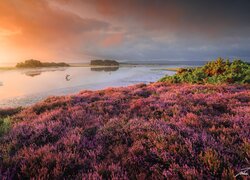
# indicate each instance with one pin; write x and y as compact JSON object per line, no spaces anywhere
{"x":5,"y":124}
{"x":5,"y":118}
{"x":214,"y":72}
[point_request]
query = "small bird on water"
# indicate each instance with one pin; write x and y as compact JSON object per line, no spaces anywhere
{"x":67,"y":77}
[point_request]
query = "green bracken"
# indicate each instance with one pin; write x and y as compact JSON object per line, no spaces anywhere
{"x":214,"y":72}
{"x":5,"y":125}
{"x":5,"y":119}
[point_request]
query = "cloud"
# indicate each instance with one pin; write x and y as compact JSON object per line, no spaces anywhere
{"x":8,"y":32}
{"x":34,"y":25}
{"x":131,"y":29}
{"x":183,"y":17}
{"x":112,"y":40}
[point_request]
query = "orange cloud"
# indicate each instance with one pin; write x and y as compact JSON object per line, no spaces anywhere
{"x":73,"y":29}
{"x":112,"y":40}
{"x":34,"y":29}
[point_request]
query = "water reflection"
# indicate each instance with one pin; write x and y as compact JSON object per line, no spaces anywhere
{"x":33,"y":73}
{"x":21,"y":87}
{"x":37,"y":72}
{"x":106,"y":69}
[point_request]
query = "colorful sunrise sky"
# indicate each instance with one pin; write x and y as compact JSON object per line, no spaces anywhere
{"x":133,"y":30}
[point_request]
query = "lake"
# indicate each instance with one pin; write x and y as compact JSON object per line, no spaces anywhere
{"x":21,"y":87}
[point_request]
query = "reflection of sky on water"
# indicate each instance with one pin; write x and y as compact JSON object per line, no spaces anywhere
{"x":39,"y":71}
{"x":23,"y":87}
{"x":106,"y":69}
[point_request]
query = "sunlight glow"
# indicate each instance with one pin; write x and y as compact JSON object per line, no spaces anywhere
{"x":7,"y":32}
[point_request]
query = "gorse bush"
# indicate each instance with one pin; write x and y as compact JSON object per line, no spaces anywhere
{"x":214,"y":72}
{"x":154,"y":131}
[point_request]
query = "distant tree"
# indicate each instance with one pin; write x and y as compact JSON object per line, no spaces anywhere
{"x":35,"y":63}
{"x":104,"y":63}
{"x":29,"y":63}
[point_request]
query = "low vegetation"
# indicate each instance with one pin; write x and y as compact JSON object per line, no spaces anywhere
{"x":195,"y":130}
{"x":5,"y":125}
{"x":9,"y":112}
{"x":104,"y":63}
{"x":35,"y":63}
{"x":155,"y":131}
{"x":214,"y":72}
{"x":5,"y":120}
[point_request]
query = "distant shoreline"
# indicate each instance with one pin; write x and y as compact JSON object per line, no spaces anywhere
{"x":7,"y":68}
{"x":88,"y":65}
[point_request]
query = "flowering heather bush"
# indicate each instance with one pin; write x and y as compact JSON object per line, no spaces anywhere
{"x":151,"y":131}
{"x":214,"y":72}
{"x":9,"y":112}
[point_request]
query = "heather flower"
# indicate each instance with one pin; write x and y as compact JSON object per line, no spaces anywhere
{"x":143,"y":131}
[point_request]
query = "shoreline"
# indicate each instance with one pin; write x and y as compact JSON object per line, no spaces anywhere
{"x":153,"y":73}
{"x":91,"y":66}
{"x":172,"y":117}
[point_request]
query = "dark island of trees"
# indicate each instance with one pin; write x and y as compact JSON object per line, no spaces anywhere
{"x":104,"y":63}
{"x":35,"y":63}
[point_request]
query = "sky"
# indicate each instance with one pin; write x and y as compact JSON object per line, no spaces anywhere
{"x":126,"y":30}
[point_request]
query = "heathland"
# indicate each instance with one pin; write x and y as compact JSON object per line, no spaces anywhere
{"x":192,"y":125}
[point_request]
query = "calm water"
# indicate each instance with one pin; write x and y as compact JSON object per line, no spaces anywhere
{"x":25,"y":87}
